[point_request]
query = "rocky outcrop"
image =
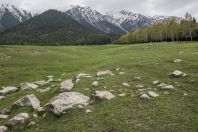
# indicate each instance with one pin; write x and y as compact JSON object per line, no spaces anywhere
{"x":67,"y":100}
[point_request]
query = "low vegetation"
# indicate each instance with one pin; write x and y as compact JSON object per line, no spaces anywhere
{"x":133,"y":66}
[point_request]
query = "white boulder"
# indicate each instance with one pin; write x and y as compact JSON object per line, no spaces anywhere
{"x":67,"y":85}
{"x":29,"y":101}
{"x":7,"y":90}
{"x":18,"y":119}
{"x":104,"y":95}
{"x":103,"y":73}
{"x":67,"y":100}
{"x":28,"y":86}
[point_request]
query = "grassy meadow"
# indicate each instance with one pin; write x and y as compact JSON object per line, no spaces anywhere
{"x":171,"y":112}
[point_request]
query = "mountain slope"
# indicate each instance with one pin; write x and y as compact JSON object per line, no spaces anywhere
{"x":52,"y":28}
{"x":11,"y":16}
{"x":92,"y":18}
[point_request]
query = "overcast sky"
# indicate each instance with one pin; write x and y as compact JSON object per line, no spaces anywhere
{"x":147,"y":7}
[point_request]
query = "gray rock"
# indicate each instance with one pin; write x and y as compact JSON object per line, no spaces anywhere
{"x":44,"y":90}
{"x":177,"y":73}
{"x":95,"y":84}
{"x":28,"y":86}
{"x":29,"y":101}
{"x":121,"y":73}
{"x":104,"y":95}
{"x":88,"y":111}
{"x":18,"y":119}
{"x":126,"y":84}
{"x":104,"y":73}
{"x":177,"y":61}
{"x":165,"y":86}
{"x":155,"y":82}
{"x":144,"y":96}
{"x":32,"y":123}
{"x":67,"y":100}
{"x":7,"y":90}
{"x":41,"y":83}
{"x":66,"y":85}
{"x":3,"y":116}
{"x":122,"y":95}
{"x":3,"y":129}
{"x":139,"y":86}
{"x":153,"y":94}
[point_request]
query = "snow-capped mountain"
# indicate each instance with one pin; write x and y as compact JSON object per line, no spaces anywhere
{"x":11,"y":15}
{"x":124,"y":20}
{"x":89,"y":17}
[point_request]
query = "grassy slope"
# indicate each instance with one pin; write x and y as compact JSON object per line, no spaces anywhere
{"x":172,"y":112}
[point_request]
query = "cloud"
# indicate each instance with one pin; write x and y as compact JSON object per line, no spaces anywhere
{"x":147,"y":7}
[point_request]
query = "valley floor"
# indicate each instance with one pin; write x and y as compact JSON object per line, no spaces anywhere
{"x":174,"y":110}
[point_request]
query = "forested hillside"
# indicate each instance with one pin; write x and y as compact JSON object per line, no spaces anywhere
{"x":52,"y":28}
{"x":171,"y":30}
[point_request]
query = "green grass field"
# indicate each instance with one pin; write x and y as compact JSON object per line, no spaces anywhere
{"x":173,"y":112}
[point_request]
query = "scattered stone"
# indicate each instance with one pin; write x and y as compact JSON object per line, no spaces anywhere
{"x":66,"y":101}
{"x":126,"y":84}
{"x":67,"y":85}
{"x":155,"y":82}
{"x":104,"y":95}
{"x":3,"y":116}
{"x":177,"y":61}
{"x":177,"y":73}
{"x":3,"y":129}
{"x":80,"y":106}
{"x":29,"y":101}
{"x":35,"y":115}
{"x":95,"y":84}
{"x":153,"y":94}
{"x":185,"y":94}
{"x":2,"y":97}
{"x":121,"y":73}
{"x":137,"y":78}
{"x":4,"y":111}
{"x":103,"y":73}
{"x":165,"y":86}
{"x":122,"y":95}
{"x":44,"y":90}
{"x":88,"y":111}
{"x":141,"y":90}
{"x":32,"y":123}
{"x":41,"y":83}
{"x":28,"y":86}
{"x":139,"y":86}
{"x":18,"y":119}
{"x":86,"y":89}
{"x":7,"y":90}
{"x":118,"y":69}
{"x":144,"y":96}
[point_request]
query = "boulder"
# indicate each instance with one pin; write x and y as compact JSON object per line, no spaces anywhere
{"x":144,"y":96}
{"x":28,"y":86}
{"x":153,"y":94}
{"x":29,"y":101}
{"x":104,"y":95}
{"x":3,"y":116}
{"x":3,"y":129}
{"x":66,"y":85}
{"x":104,"y":73}
{"x":7,"y":90}
{"x":177,"y":73}
{"x":18,"y":119}
{"x":67,"y":100}
{"x":95,"y":84}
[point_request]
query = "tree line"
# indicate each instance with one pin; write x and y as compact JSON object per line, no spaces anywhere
{"x":170,"y":30}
